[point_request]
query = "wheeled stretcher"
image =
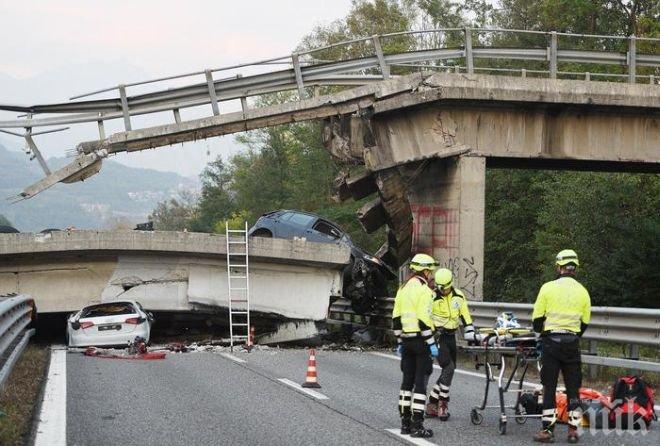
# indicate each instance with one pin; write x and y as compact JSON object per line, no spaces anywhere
{"x":499,"y":344}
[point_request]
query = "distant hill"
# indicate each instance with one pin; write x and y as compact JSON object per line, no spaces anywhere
{"x":117,"y":192}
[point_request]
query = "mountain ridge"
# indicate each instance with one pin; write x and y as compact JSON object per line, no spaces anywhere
{"x":117,"y":194}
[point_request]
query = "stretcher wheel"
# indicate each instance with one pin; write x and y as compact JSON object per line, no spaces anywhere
{"x":475,"y":417}
{"x":520,"y":416}
{"x":502,"y":427}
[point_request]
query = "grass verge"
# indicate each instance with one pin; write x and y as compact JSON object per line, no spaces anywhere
{"x":18,"y":400}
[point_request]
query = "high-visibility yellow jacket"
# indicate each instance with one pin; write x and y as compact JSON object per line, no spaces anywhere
{"x":451,"y":310}
{"x":563,"y":305}
{"x":411,"y":316}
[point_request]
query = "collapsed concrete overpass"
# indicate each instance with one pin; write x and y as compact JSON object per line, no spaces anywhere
{"x":426,"y":140}
{"x":291,"y":281}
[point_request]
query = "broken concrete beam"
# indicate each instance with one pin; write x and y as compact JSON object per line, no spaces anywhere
{"x":362,"y":185}
{"x":345,"y":137}
{"x":340,"y":188}
{"x":393,"y":191}
{"x":372,"y":215}
{"x":388,"y":255}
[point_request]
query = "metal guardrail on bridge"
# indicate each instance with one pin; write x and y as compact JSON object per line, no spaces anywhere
{"x":369,"y":59}
{"x":16,"y":313}
{"x":628,"y":326}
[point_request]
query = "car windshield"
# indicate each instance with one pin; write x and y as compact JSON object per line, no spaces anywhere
{"x":110,"y":309}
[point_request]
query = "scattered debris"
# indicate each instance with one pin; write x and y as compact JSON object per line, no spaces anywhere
{"x":137,"y":349}
{"x":109,"y":354}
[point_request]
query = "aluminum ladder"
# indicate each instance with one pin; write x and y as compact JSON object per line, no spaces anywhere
{"x":238,"y":282}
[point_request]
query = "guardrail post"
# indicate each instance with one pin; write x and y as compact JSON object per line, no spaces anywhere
{"x":384,"y":69}
{"x":593,"y":368}
{"x":298,"y":72}
{"x":211,"y":86}
{"x":632,"y":59}
{"x":124,"y":107}
{"x":552,"y":55}
{"x":244,"y":104}
{"x":101,"y":128}
{"x":651,"y":79}
{"x":634,"y":354}
{"x":587,"y":76}
{"x":457,"y":69}
{"x":469,"y":60}
{"x":177,"y":116}
{"x":634,"y":351}
{"x":523,"y":73}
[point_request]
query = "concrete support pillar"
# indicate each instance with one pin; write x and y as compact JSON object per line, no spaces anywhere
{"x":448,"y":206}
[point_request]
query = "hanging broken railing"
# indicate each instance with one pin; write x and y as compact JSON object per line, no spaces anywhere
{"x":631,"y":327}
{"x":16,"y":313}
{"x":345,"y":64}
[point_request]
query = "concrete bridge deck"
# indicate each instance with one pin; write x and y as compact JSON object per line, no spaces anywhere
{"x":290,"y":280}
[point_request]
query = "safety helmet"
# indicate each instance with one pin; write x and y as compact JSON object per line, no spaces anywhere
{"x":507,"y":320}
{"x":444,"y":278}
{"x":567,"y":256}
{"x":421,"y":262}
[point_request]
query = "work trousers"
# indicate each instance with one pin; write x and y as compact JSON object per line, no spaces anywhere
{"x":561,"y":352}
{"x":447,"y":360}
{"x":416,"y":365}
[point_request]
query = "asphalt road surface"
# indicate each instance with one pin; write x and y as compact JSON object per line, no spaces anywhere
{"x":207,"y":398}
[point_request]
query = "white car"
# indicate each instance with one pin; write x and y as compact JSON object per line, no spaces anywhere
{"x":108,"y":324}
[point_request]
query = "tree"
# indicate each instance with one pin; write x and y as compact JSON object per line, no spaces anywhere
{"x":174,"y":214}
{"x":216,"y":203}
{"x":612,"y":221}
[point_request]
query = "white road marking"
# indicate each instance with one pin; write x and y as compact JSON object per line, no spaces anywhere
{"x":409,"y":439}
{"x":310,"y":392}
{"x":463,"y":372}
{"x":233,"y":358}
{"x":52,"y":419}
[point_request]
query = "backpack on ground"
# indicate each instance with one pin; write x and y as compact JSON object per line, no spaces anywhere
{"x":632,"y":405}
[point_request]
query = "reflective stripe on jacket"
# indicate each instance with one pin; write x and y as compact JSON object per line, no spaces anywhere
{"x":412,"y":310}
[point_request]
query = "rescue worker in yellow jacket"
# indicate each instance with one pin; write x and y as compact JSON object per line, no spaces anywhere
{"x":561,"y":314}
{"x":412,"y":324}
{"x":450,"y":310}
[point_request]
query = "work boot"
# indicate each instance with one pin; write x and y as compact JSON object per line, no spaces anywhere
{"x":573,"y":436}
{"x":431,"y":410}
{"x":545,"y":436}
{"x":405,"y":426}
{"x":417,"y":430}
{"x":443,"y":410}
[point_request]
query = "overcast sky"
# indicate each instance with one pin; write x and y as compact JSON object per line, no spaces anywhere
{"x":52,"y":50}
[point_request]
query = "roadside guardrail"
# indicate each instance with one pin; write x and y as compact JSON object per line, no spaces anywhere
{"x":633,"y":327}
{"x":16,"y":313}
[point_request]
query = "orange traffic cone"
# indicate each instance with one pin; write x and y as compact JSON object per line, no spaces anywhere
{"x":311,"y":380}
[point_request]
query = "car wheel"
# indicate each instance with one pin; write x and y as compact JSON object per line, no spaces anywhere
{"x":262,"y":233}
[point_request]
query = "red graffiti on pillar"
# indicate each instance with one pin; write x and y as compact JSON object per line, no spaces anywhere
{"x":434,"y":227}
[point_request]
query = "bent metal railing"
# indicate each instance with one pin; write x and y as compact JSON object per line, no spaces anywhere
{"x":631,"y":327}
{"x":367,"y":59}
{"x":16,"y":313}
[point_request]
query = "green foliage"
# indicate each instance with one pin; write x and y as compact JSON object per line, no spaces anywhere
{"x":216,"y":203}
{"x":612,"y":221}
{"x":173,"y":215}
{"x":236,"y":221}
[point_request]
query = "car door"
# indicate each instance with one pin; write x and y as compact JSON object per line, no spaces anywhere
{"x":300,"y":225}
